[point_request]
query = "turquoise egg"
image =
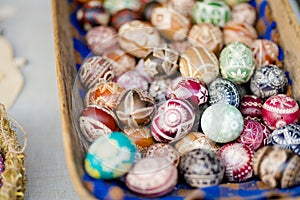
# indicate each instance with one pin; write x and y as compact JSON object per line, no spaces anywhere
{"x":110,"y":156}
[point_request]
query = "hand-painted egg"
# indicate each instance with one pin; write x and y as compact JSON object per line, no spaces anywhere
{"x":161,"y":62}
{"x":171,"y":24}
{"x":237,"y":62}
{"x":254,"y":134}
{"x":215,"y":12}
{"x":135,"y":108}
{"x":110,"y":156}
{"x":96,"y":121}
{"x":243,"y":13}
{"x":206,"y":35}
{"x":95,"y":70}
{"x":267,"y":81}
{"x":102,"y":39}
{"x":116,"y":5}
{"x":251,"y":107}
{"x":224,"y":91}
{"x":138,"y":38}
{"x":92,"y":14}
{"x":165,"y":151}
{"x":236,"y":31}
{"x":173,"y":120}
{"x":287,"y":137}
{"x":280,"y":110}
{"x":265,"y":52}
{"x":123,"y":16}
{"x":222,"y":123}
{"x":197,"y":62}
{"x":188,"y":88}
{"x":195,"y":140}
{"x":158,"y":89}
{"x":277,"y":167}
{"x":201,"y":168}
{"x":104,"y":94}
{"x":152,"y":177}
{"x":237,"y":158}
{"x":142,"y":137}
{"x":132,"y":79}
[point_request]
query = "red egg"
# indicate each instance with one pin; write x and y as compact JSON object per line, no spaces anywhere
{"x":251,"y":107}
{"x":280,"y":110}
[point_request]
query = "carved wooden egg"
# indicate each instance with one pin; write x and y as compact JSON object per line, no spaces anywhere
{"x":287,"y":137}
{"x":267,"y":81}
{"x":254,"y":134}
{"x":206,"y":35}
{"x":201,"y":168}
{"x":123,"y":16}
{"x":251,"y":107}
{"x":165,"y":151}
{"x":277,"y":167}
{"x":224,"y":91}
{"x":138,"y":38}
{"x":152,"y":177}
{"x":237,"y":158}
{"x":243,"y":13}
{"x":104,"y":94}
{"x":95,"y":70}
{"x":96,"y":121}
{"x":195,"y":140}
{"x":135,"y":108}
{"x":109,"y":157}
{"x":162,"y":61}
{"x":197,"y":62}
{"x":132,"y":79}
{"x":237,"y":62}
{"x":173,"y":120}
{"x":158,"y":89}
{"x":142,"y":137}
{"x":188,"y":88}
{"x":102,"y":39}
{"x":222,"y":123}
{"x":280,"y":110}
{"x":171,"y":24}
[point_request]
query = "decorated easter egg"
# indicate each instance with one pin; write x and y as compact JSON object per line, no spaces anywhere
{"x":138,"y":38}
{"x":237,"y":158}
{"x":277,"y":167}
{"x":237,"y":62}
{"x":188,"y":88}
{"x":123,"y":16}
{"x":116,"y":5}
{"x":104,"y":94}
{"x":234,"y":2}
{"x":243,"y":13}
{"x":206,"y":35}
{"x":173,"y":120}
{"x":267,"y":81}
{"x":161,"y":62}
{"x":102,"y":39}
{"x":122,"y":62}
{"x":92,"y":14}
{"x":95,"y":70}
{"x":236,"y":31}
{"x":198,"y":62}
{"x":158,"y":89}
{"x":251,"y":107}
{"x":165,"y":151}
{"x":224,"y":91}
{"x":132,"y":79}
{"x":149,"y":8}
{"x":195,"y":140}
{"x":201,"y":168}
{"x":287,"y":137}
{"x":265,"y":52}
{"x":142,"y":137}
{"x":171,"y":24}
{"x":254,"y":134}
{"x":212,"y":11}
{"x":96,"y":121}
{"x":110,"y":156}
{"x":152,"y":177}
{"x":222,"y":123}
{"x":135,"y":108}
{"x":280,"y":110}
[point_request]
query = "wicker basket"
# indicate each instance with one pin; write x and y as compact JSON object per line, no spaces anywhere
{"x":67,"y":58}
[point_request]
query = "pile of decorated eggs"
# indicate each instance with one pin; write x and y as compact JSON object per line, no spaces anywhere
{"x":184,"y":86}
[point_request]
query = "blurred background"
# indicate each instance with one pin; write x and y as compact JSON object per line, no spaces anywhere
{"x":27,"y":25}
